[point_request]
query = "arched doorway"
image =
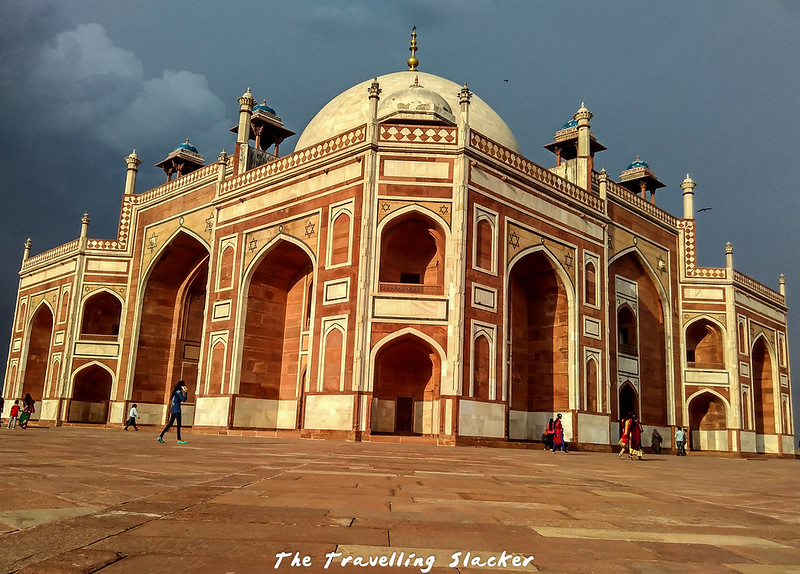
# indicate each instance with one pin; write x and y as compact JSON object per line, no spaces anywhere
{"x":406,"y":388}
{"x":90,"y":396}
{"x":644,"y":355}
{"x":39,"y":337}
{"x":763,"y":390}
{"x":278,"y":308}
{"x":171,"y":326}
{"x":708,"y":422}
{"x":628,"y":401}
{"x":538,"y":333}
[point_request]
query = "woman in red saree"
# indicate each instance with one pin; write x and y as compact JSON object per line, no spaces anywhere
{"x":635,"y":437}
{"x":624,"y":440}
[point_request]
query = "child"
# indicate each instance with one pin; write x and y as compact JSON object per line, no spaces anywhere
{"x":12,"y":421}
{"x":132,"y":416}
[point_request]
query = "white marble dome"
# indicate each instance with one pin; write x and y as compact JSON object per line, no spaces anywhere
{"x":350,"y":109}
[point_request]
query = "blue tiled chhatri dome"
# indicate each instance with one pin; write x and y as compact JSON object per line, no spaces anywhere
{"x":187,"y":146}
{"x":265,"y":108}
{"x":570,"y":124}
{"x":638,"y":163}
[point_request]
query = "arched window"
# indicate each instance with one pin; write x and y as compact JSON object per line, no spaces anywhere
{"x":309,"y":305}
{"x":340,"y":240}
{"x":481,"y":367}
{"x":704,"y":346}
{"x":590,"y":287}
{"x":412,"y":256}
{"x":21,"y":316}
{"x":64,"y":307}
{"x":484,"y":245}
{"x":101,"y":315}
{"x":746,"y":420}
{"x":626,"y":331}
{"x":592,"y":402}
{"x":225,"y":278}
{"x":332,"y":367}
{"x":742,"y":339}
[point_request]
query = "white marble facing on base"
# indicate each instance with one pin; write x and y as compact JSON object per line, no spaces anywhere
{"x":593,"y":429}
{"x":265,"y":413}
{"x":329,"y":412}
{"x":212,"y":411}
{"x":476,"y":418}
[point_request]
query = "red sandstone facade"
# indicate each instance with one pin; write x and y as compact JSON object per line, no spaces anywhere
{"x":406,"y":273}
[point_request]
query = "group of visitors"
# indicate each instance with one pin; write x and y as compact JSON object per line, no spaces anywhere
{"x":557,"y":436}
{"x":19,"y":415}
{"x":631,"y":439}
{"x":179,"y":395}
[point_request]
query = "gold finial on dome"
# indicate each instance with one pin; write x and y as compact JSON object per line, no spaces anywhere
{"x":412,"y":61}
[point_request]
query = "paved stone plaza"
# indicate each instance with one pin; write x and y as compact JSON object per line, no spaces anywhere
{"x":102,"y":500}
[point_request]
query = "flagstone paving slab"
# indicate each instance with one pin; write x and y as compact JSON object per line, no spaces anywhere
{"x":83,"y":500}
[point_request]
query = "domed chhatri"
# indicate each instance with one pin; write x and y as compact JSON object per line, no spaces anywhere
{"x":639,"y":178}
{"x":415,"y":103}
{"x":182,"y":160}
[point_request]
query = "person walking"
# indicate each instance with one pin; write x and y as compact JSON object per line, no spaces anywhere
{"x":179,"y":395}
{"x":624,"y":439}
{"x":548,"y":435}
{"x":566,"y":437}
{"x":635,"y":438}
{"x":2,"y":405}
{"x":28,"y":409}
{"x":133,"y":414}
{"x":655,"y":441}
{"x":558,"y":433}
{"x":680,"y":438}
{"x":12,"y":416}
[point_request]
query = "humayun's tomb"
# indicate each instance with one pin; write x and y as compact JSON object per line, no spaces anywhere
{"x":405,"y":272}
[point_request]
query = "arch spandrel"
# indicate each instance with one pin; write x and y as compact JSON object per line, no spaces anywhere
{"x":718,"y":318}
{"x":521,"y":240}
{"x":756,"y":331}
{"x":199,"y":225}
{"x":303,"y":230}
{"x":621,"y":242}
{"x":49,"y":298}
{"x":117,"y":291}
{"x":441,"y":209}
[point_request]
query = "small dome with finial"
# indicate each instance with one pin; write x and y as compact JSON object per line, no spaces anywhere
{"x":637,"y":164}
{"x":264,"y":108}
{"x":187,"y":146}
